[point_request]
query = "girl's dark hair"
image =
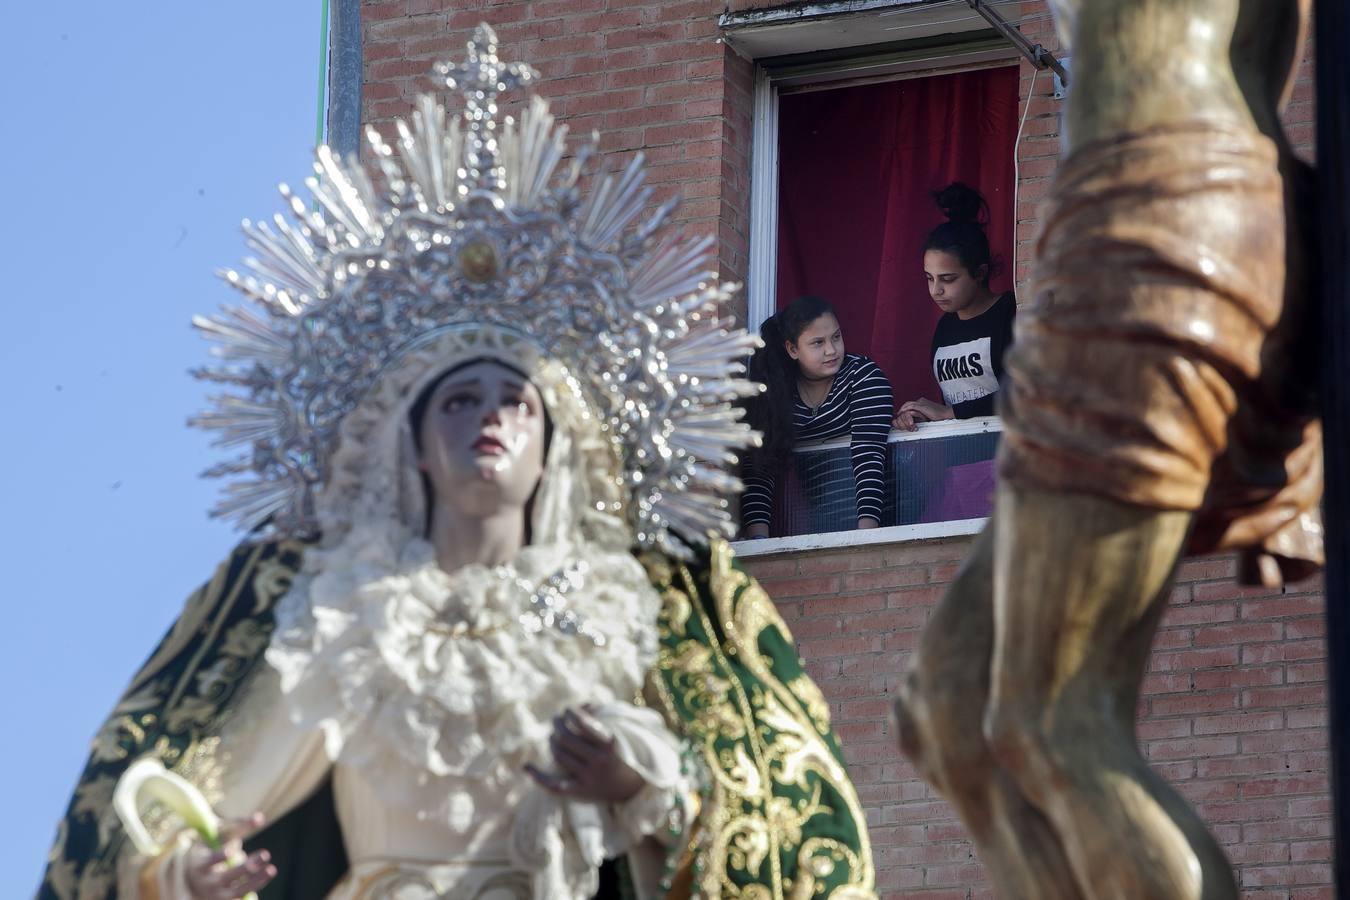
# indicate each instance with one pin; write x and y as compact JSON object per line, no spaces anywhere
{"x":771,"y":412}
{"x":962,"y":235}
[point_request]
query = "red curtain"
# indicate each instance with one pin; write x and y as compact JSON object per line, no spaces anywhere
{"x":857,"y":168}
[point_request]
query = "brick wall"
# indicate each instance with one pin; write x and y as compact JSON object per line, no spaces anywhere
{"x":1233,"y":710}
{"x":647,"y":76}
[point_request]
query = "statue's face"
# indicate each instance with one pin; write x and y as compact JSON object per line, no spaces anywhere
{"x":482,"y":439}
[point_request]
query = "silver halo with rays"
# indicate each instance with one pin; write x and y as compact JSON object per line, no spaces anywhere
{"x":474,"y":219}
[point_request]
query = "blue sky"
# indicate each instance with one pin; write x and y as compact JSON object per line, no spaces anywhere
{"x":135,"y":139}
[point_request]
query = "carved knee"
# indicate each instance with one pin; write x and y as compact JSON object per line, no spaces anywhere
{"x":937,"y":726}
{"x":908,"y":709}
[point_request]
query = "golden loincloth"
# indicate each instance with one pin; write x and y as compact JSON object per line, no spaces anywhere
{"x":1164,"y":359}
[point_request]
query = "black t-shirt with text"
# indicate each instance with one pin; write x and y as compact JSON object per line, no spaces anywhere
{"x":968,"y":357}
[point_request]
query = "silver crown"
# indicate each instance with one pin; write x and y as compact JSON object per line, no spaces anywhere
{"x":476,"y":220}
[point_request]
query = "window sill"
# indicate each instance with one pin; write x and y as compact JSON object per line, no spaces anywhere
{"x":926,"y":431}
{"x":862,"y":537}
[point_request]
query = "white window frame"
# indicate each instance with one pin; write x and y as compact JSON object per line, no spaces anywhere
{"x":891,"y":534}
{"x":880,"y":19}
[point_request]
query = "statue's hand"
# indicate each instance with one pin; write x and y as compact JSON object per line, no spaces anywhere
{"x":226,"y":874}
{"x":590,"y":766}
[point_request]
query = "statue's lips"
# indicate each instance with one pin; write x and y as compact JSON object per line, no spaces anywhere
{"x":487,"y":445}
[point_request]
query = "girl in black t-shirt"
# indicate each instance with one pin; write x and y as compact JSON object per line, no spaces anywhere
{"x":976,"y":328}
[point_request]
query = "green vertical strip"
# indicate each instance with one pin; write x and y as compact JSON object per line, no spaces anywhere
{"x":323,"y":76}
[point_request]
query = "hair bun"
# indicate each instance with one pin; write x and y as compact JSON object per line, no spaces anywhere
{"x":960,"y":202}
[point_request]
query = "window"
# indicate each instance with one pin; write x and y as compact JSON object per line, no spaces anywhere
{"x":848,"y":147}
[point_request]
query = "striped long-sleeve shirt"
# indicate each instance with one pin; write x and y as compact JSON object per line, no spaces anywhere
{"x":859,"y":404}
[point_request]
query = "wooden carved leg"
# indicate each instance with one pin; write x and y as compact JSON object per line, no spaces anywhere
{"x":939,"y":714}
{"x":1080,"y":584}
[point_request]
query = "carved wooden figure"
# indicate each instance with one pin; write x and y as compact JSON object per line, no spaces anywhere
{"x":1161,"y":400}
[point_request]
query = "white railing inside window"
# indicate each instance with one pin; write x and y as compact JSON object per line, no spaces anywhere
{"x":939,"y":483}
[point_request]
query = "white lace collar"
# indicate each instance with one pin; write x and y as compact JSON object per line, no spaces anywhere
{"x":413,"y":673}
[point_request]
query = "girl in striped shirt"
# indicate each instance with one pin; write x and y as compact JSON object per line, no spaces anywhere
{"x":816,"y":391}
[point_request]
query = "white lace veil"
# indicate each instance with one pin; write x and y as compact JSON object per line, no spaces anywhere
{"x":376,"y":489}
{"x":364,"y":624}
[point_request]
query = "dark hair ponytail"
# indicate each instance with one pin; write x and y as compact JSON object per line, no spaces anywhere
{"x":963,"y":234}
{"x":771,"y":412}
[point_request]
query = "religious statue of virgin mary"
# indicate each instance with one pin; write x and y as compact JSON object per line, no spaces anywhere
{"x":484,"y":638}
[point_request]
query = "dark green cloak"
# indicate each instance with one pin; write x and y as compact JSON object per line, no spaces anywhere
{"x":778,"y":820}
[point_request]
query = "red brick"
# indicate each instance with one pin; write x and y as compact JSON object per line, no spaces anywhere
{"x":1304,"y":672}
{"x":1284,"y":607}
{"x":684,"y":91}
{"x":1315,"y":761}
{"x":836,"y":606}
{"x":844,"y":646}
{"x":1307,"y":718}
{"x":811,"y":629}
{"x":1277,"y":741}
{"x":1173,"y":639}
{"x":1226,"y":767}
{"x":682,"y":131}
{"x":1288,"y":650}
{"x":1190,"y":704}
{"x":628,"y":37}
{"x":1245,"y":811}
{"x":1225,"y":635}
{"x":1207,"y":569}
{"x":1310,"y":851}
{"x":884,"y":578}
{"x":802,"y":587}
{"x":1285,"y":786}
{"x":1286,"y":830}
{"x":1253,"y":853}
{"x":1159,"y":729}
{"x":1193,"y":747}
{"x":1221,"y":679}
{"x":1300,"y":629}
{"x":1231,"y":590}
{"x":1199,"y":614}
{"x":845,"y":562}
{"x":1208,"y":791}
{"x":1313,"y":893}
{"x":926,"y":597}
{"x":1318,"y":806}
{"x":1285,"y":697}
{"x":1166,"y":683}
{"x":544,"y":9}
{"x":1175,"y":771}
{"x":1244,"y":723}
{"x":762,"y":567}
{"x":1195,"y":659}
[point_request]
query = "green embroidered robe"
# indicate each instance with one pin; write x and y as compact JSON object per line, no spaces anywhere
{"x":778,"y":819}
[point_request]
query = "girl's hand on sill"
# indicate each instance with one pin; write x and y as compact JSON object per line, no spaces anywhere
{"x":921,"y":410}
{"x":867,"y":522}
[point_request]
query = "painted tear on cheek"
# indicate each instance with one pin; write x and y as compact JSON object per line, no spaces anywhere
{"x":516,"y":445}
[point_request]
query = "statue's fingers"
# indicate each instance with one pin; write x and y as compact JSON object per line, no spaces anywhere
{"x":253,"y":874}
{"x":241,"y":829}
{"x":571,"y":753}
{"x":588,"y":728}
{"x":554,"y":784}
